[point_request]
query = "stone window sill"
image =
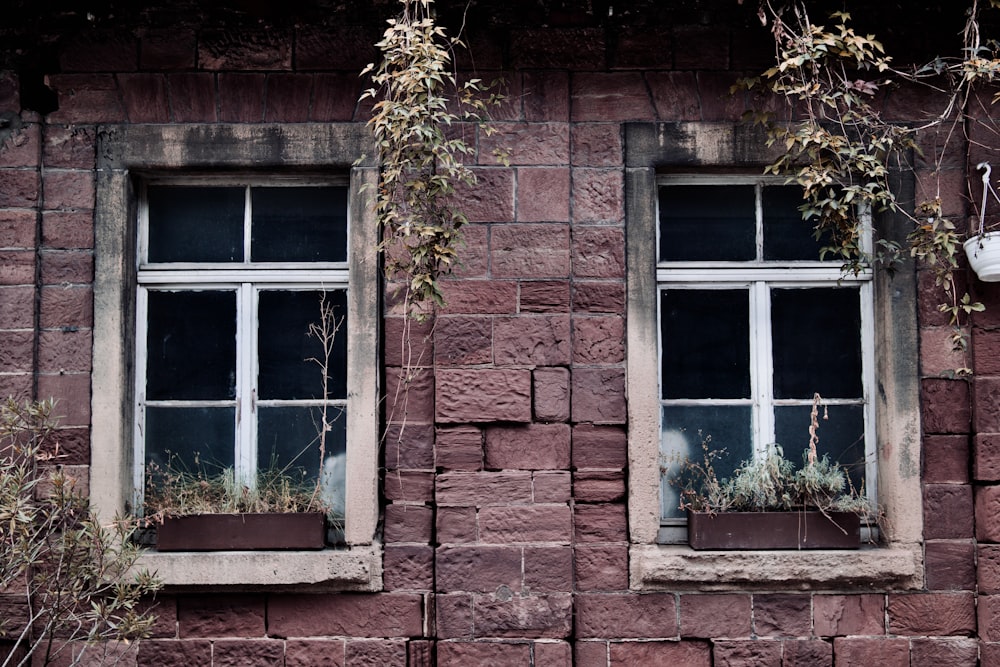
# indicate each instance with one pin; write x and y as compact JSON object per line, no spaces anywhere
{"x":358,"y":568}
{"x":674,"y":567}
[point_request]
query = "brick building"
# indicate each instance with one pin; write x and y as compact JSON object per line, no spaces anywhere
{"x":504,"y":508}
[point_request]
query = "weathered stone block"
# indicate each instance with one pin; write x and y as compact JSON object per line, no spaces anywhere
{"x":686,"y":653}
{"x":780,"y":615}
{"x":17,"y":267}
{"x":950,"y":564}
{"x":932,"y":613}
{"x":545,"y":95}
{"x":192,"y":97}
{"x":288,"y":98}
{"x":600,"y":96}
{"x":530,"y":251}
{"x":551,"y":394}
{"x":67,"y":230}
{"x":483,"y":395}
{"x":598,"y":485}
{"x":624,"y":616}
{"x":473,"y":254}
{"x":409,"y":395}
{"x":241,"y":97}
{"x":598,"y":340}
{"x":988,"y":513}
{"x":598,"y":196}
{"x":598,"y":395}
{"x":60,"y":350}
{"x":20,"y":188}
{"x":937,"y":651}
{"x":314,"y":653}
{"x":938,"y":353}
{"x":542,"y":340}
{"x":453,"y":615}
{"x":221,"y":616}
{"x":527,"y":143}
{"x":599,"y":446}
{"x":544,"y":296}
{"x":596,"y":145}
{"x":456,"y":525}
{"x":479,"y":297}
{"x":717,"y":103}
{"x":86,"y":98}
{"x":988,"y":570}
{"x":146,"y":98}
{"x":174,"y":652}
{"x":16,"y":351}
{"x":67,"y":266}
{"x":534,"y":523}
{"x":478,"y":568}
{"x":599,"y":297}
{"x":543,"y":194}
{"x":986,"y":405}
{"x":100,"y":51}
{"x":69,"y":190}
{"x":409,"y":446}
{"x":548,"y":569}
{"x":601,"y":567}
{"x":335,"y":97}
{"x":528,"y":447}
{"x":346,"y":615}
{"x":233,"y":652}
{"x":882,"y":651}
{"x":382,"y":652}
{"x":17,"y":229}
{"x":947,"y":511}
{"x":551,"y":486}
{"x":986,"y":351}
{"x":66,"y":305}
{"x":17,"y":305}
{"x":598,"y":252}
{"x":478,"y":489}
{"x":835,"y":615}
{"x":946,"y":459}
{"x":459,"y":448}
{"x":988,"y":616}
{"x":245,"y":50}
{"x":675,"y":95}
{"x":408,"y":523}
{"x":172,"y":49}
{"x":72,"y":394}
{"x":491,"y":199}
{"x":409,"y":486}
{"x":807,"y":653}
{"x":713,"y":615}
{"x":463,"y":341}
{"x":408,"y":567}
{"x":500,"y":654}
{"x":945,"y":407}
{"x":755,"y":653}
{"x":557,"y":48}
{"x":535,"y":616}
{"x":600,"y":523}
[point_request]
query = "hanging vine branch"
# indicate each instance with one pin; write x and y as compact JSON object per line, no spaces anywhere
{"x":419,"y":120}
{"x":842,"y":151}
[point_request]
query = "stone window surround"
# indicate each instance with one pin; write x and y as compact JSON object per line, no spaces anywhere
{"x":127,"y":151}
{"x":896,"y":564}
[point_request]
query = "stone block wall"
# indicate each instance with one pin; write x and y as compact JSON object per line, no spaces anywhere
{"x":505,"y":476}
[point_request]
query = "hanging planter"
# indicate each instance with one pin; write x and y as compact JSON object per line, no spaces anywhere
{"x":983,"y":249}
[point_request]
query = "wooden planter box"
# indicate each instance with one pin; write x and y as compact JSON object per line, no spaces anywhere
{"x":774,"y":530}
{"x":241,"y":532}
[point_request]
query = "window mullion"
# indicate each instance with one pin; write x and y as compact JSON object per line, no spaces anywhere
{"x":247,"y":228}
{"x":759,"y":218}
{"x":762,"y":374}
{"x":868,"y":382}
{"x":246,"y":415}
{"x":139,"y":441}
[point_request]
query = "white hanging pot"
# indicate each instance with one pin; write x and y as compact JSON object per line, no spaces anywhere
{"x":983,"y":249}
{"x":984,"y":256}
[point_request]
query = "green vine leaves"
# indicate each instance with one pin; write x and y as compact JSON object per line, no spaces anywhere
{"x":421,"y":120}
{"x":842,"y":152}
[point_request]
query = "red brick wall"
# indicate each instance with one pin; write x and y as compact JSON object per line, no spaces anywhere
{"x":505,"y":459}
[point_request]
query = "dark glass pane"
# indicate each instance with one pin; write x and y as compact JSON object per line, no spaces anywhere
{"x":841,"y":437}
{"x":286,"y":350}
{"x":191,"y":346}
{"x":288,"y":442}
{"x":195,"y":224}
{"x":707,"y":222}
{"x":690,"y":429}
{"x":816,"y":337}
{"x":705,"y":343}
{"x":786,"y":235}
{"x":299,"y":224}
{"x":199,"y":441}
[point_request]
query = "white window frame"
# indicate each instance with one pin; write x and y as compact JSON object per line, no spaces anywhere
{"x":132,"y":154}
{"x":652,"y":149}
{"x":757,"y":276}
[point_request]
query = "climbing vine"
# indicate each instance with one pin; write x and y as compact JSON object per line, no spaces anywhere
{"x":842,"y":152}
{"x":421,"y":120}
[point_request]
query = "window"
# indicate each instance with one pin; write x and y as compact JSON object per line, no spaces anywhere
{"x":733,"y":324}
{"x":231,"y":277}
{"x":753,"y":325}
{"x":205,"y":284}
